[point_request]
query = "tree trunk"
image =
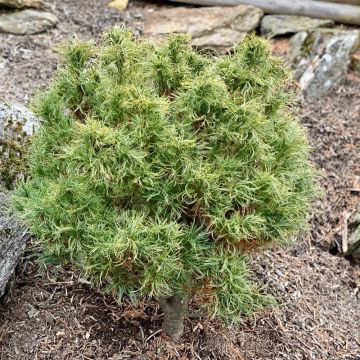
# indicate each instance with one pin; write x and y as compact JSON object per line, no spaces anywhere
{"x":350,"y":2}
{"x":174,"y":309}
{"x":342,"y":13}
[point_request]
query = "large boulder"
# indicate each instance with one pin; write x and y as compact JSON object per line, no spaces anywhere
{"x":274,"y":25}
{"x":17,"y":124}
{"x":217,"y":28}
{"x":321,"y":58}
{"x":26,"y":22}
{"x":13,"y":235}
{"x":19,"y":4}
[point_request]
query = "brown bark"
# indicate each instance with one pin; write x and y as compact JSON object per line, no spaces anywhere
{"x":174,"y":309}
{"x":342,"y":13}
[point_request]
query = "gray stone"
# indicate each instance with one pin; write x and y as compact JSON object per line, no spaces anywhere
{"x":3,"y":65}
{"x":353,"y":251}
{"x":354,"y":245}
{"x":13,"y":235}
{"x":219,"y":40}
{"x":17,"y":114}
{"x":20,"y":4}
{"x":216,"y":28}
{"x":27,"y":22}
{"x":274,"y":25}
{"x":301,"y":46}
{"x":321,"y":58}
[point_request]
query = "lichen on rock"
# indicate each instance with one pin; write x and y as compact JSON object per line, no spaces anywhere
{"x":320,"y":58}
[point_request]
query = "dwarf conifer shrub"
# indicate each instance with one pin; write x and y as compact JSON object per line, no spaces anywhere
{"x":157,"y":168}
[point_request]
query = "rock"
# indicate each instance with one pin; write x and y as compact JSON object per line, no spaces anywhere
{"x":355,"y":62}
{"x":217,"y":28}
{"x":353,"y":251}
{"x":13,"y":235}
{"x":300,"y":49}
{"x":17,"y":123}
{"x":321,"y":58}
{"x":354,"y":246}
{"x":27,"y":22}
{"x":3,"y":64}
{"x":18,"y":115}
{"x":119,"y":4}
{"x":273,"y":25}
{"x":220,"y":40}
{"x":20,"y":4}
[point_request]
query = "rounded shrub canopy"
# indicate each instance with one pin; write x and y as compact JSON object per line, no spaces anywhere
{"x":157,"y":167}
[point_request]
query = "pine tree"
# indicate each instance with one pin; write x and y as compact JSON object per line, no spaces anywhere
{"x":157,"y":168}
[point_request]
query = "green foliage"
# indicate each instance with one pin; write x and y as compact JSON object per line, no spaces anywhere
{"x":157,"y":168}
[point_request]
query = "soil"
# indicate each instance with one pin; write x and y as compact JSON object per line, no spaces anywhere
{"x":54,"y":314}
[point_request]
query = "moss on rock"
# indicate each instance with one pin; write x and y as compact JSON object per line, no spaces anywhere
{"x":13,"y":151}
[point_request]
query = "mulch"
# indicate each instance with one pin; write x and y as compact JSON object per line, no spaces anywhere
{"x":54,"y":314}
